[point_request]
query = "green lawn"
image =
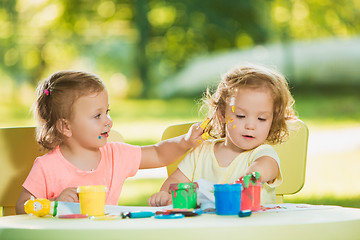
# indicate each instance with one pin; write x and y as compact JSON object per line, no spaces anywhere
{"x":321,"y":108}
{"x":328,"y":107}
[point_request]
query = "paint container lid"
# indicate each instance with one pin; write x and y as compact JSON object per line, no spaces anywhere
{"x":228,"y":187}
{"x":182,"y":186}
{"x":91,"y":188}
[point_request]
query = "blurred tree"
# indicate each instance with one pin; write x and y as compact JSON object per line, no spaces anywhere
{"x":142,"y":23}
{"x":143,"y":42}
{"x":9,"y":50}
{"x":183,"y":29}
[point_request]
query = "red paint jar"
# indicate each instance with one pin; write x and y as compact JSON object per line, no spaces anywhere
{"x":250,"y":196}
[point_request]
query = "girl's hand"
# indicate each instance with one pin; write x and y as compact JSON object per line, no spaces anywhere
{"x":169,"y":150}
{"x":266,"y":167}
{"x":68,"y":195}
{"x":193,"y":137}
{"x":161,"y":198}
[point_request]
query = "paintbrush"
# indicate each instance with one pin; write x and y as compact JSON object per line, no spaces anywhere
{"x":203,"y":126}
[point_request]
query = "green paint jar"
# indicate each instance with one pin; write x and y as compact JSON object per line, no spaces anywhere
{"x":184,"y":195}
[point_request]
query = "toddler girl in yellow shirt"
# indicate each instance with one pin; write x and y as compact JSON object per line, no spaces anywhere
{"x":248,"y":111}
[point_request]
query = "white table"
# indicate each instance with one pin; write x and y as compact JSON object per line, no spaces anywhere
{"x":323,"y":223}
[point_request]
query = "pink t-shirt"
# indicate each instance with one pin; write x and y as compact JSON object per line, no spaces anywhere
{"x":52,"y":173}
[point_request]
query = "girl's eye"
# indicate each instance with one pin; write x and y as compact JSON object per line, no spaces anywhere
{"x":107,"y":111}
{"x":240,"y":116}
{"x":262,"y":119}
{"x":98,"y":116}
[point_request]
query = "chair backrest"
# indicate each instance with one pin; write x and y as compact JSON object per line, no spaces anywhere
{"x":18,"y":150}
{"x":292,"y":155}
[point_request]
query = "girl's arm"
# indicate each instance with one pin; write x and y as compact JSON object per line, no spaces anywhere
{"x":24,"y":196}
{"x":163,"y":197}
{"x":168,"y":151}
{"x":266,"y":166}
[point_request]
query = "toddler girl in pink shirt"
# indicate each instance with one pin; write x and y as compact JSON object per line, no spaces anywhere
{"x":74,"y":123}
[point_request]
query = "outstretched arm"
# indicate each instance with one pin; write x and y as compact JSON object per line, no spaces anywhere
{"x":163,"y":197}
{"x":168,"y":151}
{"x":266,"y":166}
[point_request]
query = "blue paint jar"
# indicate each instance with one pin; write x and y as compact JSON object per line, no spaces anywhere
{"x":227,"y":198}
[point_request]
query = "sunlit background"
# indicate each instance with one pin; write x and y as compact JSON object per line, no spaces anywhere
{"x":157,"y":57}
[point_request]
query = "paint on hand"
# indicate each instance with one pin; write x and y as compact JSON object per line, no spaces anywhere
{"x":253,"y":177}
{"x":199,"y":141}
{"x":204,"y":123}
{"x":203,"y":126}
{"x":205,"y":136}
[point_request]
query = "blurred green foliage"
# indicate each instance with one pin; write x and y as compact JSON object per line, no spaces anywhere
{"x":134,"y":45}
{"x":173,"y":109}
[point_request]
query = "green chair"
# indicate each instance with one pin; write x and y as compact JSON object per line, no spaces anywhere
{"x":18,"y":150}
{"x":292,"y":155}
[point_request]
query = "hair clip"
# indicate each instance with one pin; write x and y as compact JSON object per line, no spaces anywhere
{"x":46,"y":92}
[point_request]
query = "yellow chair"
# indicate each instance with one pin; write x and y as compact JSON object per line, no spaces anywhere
{"x":292,"y":154}
{"x":18,"y":150}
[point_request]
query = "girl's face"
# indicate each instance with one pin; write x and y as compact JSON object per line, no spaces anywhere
{"x":90,"y":123}
{"x":248,"y":118}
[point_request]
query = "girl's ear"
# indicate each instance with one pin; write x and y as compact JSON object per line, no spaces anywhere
{"x":63,"y":126}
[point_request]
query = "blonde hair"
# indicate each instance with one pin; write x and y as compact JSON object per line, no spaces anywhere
{"x":255,"y":77}
{"x":55,"y":98}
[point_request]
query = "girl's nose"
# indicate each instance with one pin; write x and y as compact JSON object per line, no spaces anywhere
{"x":109,"y":122}
{"x":250,"y":125}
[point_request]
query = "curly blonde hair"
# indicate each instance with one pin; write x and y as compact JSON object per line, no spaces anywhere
{"x":55,"y":98}
{"x":255,"y":77}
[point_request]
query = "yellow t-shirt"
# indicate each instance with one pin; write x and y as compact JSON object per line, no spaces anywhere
{"x":201,"y":163}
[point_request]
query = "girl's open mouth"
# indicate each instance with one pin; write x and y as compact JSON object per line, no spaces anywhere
{"x":248,"y":137}
{"x":105,"y":134}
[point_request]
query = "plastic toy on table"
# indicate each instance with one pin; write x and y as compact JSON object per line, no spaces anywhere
{"x":92,"y":203}
{"x":40,"y":207}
